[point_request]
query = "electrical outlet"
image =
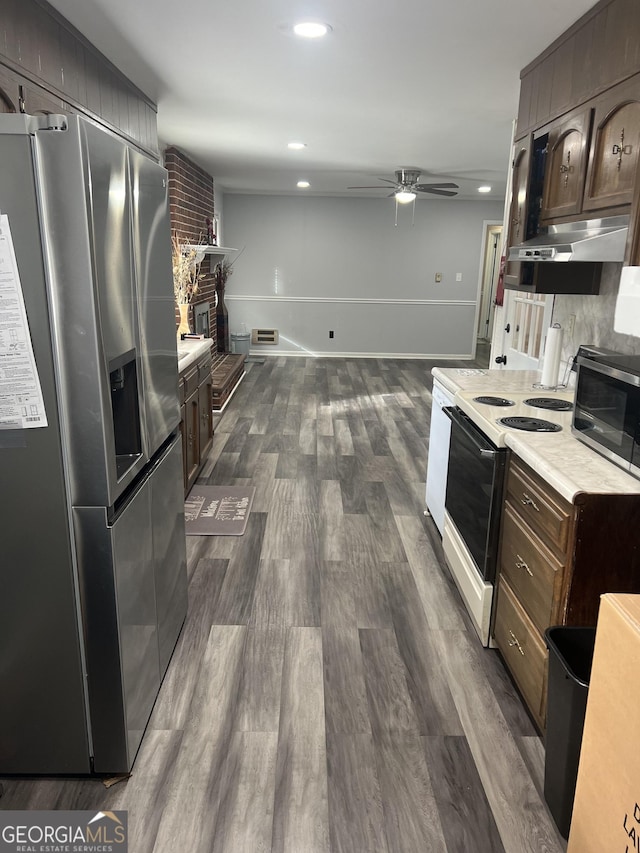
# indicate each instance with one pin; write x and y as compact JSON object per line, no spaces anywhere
{"x":331,"y":333}
{"x":458,"y":276}
{"x":438,"y":277}
{"x":570,"y":325}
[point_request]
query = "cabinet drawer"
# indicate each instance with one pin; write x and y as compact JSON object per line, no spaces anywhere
{"x":522,"y":649}
{"x":548,"y":515}
{"x":191,"y":380}
{"x":531,"y":570}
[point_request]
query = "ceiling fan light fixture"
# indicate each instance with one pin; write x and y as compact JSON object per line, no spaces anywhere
{"x":303,"y":185}
{"x":296,"y":146}
{"x":405,"y":196}
{"x":484,"y":189}
{"x":311,"y":29}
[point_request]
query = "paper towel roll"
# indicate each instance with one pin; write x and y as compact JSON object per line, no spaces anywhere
{"x":551,"y":360}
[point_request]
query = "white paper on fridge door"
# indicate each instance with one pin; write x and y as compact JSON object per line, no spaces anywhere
{"x":21,"y":401}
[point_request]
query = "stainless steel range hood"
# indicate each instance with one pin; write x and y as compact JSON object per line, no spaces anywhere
{"x":591,"y":240}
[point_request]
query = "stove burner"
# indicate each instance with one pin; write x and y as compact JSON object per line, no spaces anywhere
{"x":494,"y":401}
{"x":529,"y":424}
{"x":552,"y":403}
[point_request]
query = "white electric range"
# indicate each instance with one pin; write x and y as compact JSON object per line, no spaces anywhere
{"x":481,"y":423}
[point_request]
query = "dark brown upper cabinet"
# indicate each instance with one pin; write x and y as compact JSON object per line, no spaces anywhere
{"x":519,"y":194}
{"x":529,"y":180}
{"x":518,"y":207}
{"x":566,"y":163}
{"x":599,"y":51}
{"x":615,"y":145}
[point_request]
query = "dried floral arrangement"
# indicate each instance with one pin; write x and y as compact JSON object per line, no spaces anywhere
{"x":223,"y":270}
{"x":186,"y":267}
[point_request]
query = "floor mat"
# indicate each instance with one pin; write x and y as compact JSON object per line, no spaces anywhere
{"x":218,"y":510}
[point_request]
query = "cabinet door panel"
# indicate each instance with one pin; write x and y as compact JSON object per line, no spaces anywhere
{"x":527,"y":92}
{"x":544,"y":73}
{"x":518,"y":207}
{"x":205,"y":403}
{"x":192,"y":428}
{"x":621,"y":47}
{"x":566,"y":166}
{"x":562,"y":78}
{"x":615,"y":146}
{"x":545,"y":512}
{"x":586,"y":54}
{"x":522,"y":648}
{"x":532,"y":571}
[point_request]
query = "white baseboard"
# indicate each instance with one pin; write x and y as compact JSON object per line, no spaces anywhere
{"x":271,"y":353}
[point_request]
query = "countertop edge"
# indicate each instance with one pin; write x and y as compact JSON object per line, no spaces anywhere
{"x":190,"y":351}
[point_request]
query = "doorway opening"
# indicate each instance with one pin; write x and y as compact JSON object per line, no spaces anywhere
{"x":489,"y":282}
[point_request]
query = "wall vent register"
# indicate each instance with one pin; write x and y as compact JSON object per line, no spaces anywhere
{"x":264,"y":336}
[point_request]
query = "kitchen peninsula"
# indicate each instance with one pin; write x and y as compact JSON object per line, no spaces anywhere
{"x":568,"y":526}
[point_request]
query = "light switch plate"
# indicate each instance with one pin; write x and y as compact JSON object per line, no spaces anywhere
{"x":458,"y":276}
{"x":438,"y":277}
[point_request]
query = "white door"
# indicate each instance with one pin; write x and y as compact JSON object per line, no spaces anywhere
{"x":528,"y":316}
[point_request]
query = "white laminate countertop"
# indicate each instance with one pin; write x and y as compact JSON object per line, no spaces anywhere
{"x":190,"y":351}
{"x":568,"y":465}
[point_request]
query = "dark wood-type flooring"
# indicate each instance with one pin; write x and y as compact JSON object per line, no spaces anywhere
{"x":328,"y":692}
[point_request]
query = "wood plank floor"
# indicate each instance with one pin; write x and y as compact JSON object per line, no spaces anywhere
{"x":328,"y":692}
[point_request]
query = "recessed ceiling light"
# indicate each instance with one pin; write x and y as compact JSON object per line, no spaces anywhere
{"x":296,"y":146}
{"x":484,"y":189}
{"x":311,"y":29}
{"x":303,"y":184}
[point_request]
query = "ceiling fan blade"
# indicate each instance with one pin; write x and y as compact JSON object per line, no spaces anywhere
{"x":434,"y":191}
{"x":368,"y":188}
{"x":436,"y":186}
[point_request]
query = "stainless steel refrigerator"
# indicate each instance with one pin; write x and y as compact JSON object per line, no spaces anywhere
{"x":93,"y":557}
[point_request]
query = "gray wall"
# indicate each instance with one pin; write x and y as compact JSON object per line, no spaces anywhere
{"x":314,"y":264}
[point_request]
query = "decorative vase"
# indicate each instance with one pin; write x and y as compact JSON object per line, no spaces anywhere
{"x":222,"y":321}
{"x":184,"y":328}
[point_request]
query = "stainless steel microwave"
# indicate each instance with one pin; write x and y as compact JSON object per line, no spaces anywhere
{"x":606,"y":415}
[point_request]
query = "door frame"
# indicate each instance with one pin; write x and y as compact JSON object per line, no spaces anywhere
{"x":489,"y":271}
{"x":487,"y":225}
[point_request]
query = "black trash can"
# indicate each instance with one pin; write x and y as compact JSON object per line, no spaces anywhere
{"x":570,"y":658}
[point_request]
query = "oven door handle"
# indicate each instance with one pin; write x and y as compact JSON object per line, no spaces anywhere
{"x":458,"y":419}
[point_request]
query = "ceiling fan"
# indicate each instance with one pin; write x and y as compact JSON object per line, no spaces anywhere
{"x":405,"y":186}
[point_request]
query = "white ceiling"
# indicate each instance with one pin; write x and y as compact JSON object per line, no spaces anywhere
{"x":410,"y":83}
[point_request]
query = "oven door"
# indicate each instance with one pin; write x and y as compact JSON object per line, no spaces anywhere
{"x":475,"y":485}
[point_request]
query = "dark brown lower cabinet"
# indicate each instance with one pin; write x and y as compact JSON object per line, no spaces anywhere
{"x":556,"y":560}
{"x":197,"y":420}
